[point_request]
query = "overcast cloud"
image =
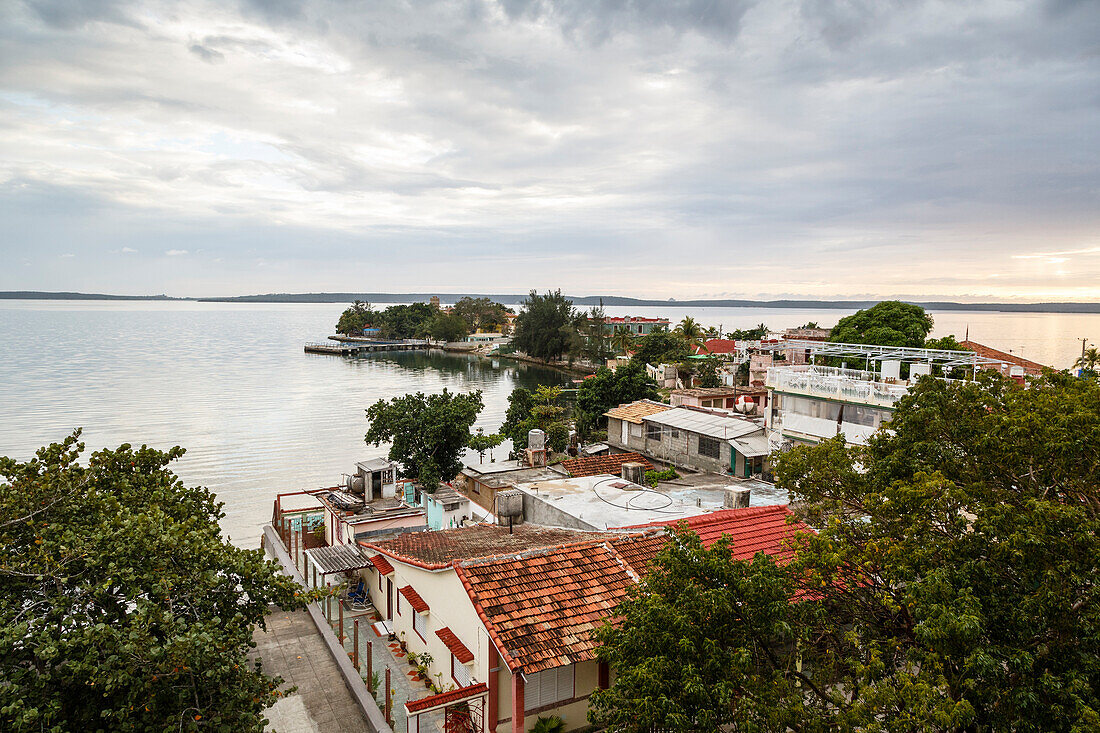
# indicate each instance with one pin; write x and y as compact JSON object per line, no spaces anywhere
{"x":663,"y":148}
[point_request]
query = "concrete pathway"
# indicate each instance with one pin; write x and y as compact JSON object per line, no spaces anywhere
{"x":292,"y":649}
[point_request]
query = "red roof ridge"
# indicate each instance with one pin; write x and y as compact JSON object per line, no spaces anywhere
{"x":538,"y":551}
{"x":715,"y":516}
{"x":405,"y":558}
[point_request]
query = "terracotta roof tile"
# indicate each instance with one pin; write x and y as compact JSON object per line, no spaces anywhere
{"x":434,"y":550}
{"x":542,"y":608}
{"x":452,"y":642}
{"x":1030,"y":367}
{"x":754,"y":529}
{"x":635,"y":411}
{"x":446,"y":698}
{"x":593,"y":465}
{"x":382,"y":564}
{"x":418,"y":604}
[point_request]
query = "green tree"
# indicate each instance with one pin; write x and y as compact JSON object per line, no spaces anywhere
{"x":121,"y":605}
{"x":517,"y":419}
{"x":889,"y":323}
{"x":691,"y":332}
{"x":706,"y":373}
{"x":1088,"y":362}
{"x":606,"y":389}
{"x":660,"y":346}
{"x":952,"y":585}
{"x":481,"y":314}
{"x":622,"y":340}
{"x":357,"y":317}
{"x":406,"y":321}
{"x":482,"y":443}
{"x":749,"y":334}
{"x":545,"y":325}
{"x":427,"y":433}
{"x":447,"y":327}
{"x":542,"y":409}
{"x":704,"y":645}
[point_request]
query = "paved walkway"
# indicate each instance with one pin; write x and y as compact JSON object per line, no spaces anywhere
{"x":292,"y":649}
{"x":404,"y":681}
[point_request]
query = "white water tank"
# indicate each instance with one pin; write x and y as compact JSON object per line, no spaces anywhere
{"x":916,"y":371}
{"x":536,"y":439}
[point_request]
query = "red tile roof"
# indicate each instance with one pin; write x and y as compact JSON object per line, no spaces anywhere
{"x":418,"y":604}
{"x":638,"y":550}
{"x":754,"y":529}
{"x":435,"y":550}
{"x":718,"y":346}
{"x":542,"y":607}
{"x":453,"y":643}
{"x":446,"y":698}
{"x":593,"y":465}
{"x":382,"y":564}
{"x":1033,"y":368}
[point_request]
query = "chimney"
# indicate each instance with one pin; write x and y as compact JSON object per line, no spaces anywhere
{"x":633,"y":472}
{"x":736,"y":499}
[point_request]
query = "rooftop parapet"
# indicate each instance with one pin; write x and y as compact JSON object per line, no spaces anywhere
{"x":843,"y":385}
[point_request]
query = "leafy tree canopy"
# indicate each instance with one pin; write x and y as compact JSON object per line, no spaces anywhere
{"x":545,"y":325}
{"x":407,"y":321}
{"x":706,"y":373}
{"x":952,"y":585}
{"x":889,"y":323}
{"x":447,"y":327}
{"x":660,"y":346}
{"x":701,"y":645}
{"x":748,"y":334}
{"x":427,"y":433}
{"x":606,"y":389}
{"x":481,"y":314}
{"x":357,"y":317}
{"x":121,"y":606}
{"x":541,"y":409}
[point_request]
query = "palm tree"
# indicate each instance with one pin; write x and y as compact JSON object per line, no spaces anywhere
{"x":622,"y":339}
{"x":1089,"y":361}
{"x":690,"y":331}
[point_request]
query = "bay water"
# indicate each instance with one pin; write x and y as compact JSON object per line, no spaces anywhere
{"x":230,"y":383}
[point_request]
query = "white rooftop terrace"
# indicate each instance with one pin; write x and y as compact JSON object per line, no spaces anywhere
{"x":606,"y":501}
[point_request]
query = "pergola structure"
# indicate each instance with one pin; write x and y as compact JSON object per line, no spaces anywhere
{"x":872,"y":353}
{"x":332,"y":560}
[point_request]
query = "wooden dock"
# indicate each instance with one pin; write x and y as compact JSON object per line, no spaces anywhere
{"x":352,"y":348}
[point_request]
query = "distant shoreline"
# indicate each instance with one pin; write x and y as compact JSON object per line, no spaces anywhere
{"x":587,"y":300}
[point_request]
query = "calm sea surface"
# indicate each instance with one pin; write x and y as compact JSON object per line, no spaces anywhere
{"x":231,"y":383}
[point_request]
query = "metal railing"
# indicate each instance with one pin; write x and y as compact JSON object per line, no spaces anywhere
{"x":844,"y":385}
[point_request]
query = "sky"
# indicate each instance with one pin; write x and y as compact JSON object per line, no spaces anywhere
{"x":650,"y":148}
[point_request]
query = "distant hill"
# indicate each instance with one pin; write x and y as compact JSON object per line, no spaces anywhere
{"x":40,"y":295}
{"x":585,"y":300}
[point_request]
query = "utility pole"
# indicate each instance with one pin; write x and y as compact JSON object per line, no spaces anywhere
{"x":1083,"y":347}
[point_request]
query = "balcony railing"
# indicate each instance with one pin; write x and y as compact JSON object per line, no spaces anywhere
{"x":843,"y":385}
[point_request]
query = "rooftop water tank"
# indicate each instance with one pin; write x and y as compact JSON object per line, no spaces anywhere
{"x":536,"y":439}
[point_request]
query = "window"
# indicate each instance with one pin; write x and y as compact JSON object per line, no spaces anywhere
{"x":635,"y":431}
{"x":399,"y":603}
{"x":419,"y":626}
{"x":460,"y":673}
{"x":379,"y":580}
{"x":652,"y":432}
{"x":709,"y":447}
{"x":548,"y":687}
